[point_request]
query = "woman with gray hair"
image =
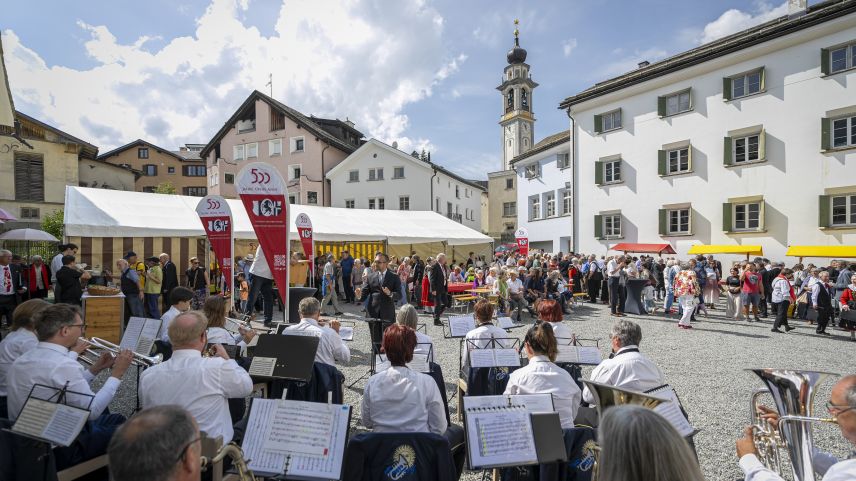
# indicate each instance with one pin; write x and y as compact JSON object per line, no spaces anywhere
{"x":407,"y":316}
{"x":637,"y":443}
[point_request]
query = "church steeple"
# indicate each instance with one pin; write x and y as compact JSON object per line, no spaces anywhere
{"x":517,"y":121}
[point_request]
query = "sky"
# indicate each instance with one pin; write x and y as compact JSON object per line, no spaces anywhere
{"x":422,"y":73}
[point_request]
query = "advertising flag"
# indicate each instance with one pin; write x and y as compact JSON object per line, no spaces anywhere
{"x":522,"y":236}
{"x":216,"y":217}
{"x":304,"y":230}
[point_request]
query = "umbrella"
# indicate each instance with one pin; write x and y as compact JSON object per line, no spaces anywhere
{"x":6,"y":216}
{"x":28,"y":235}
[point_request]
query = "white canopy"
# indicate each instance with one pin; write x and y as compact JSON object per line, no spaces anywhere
{"x":112,"y":213}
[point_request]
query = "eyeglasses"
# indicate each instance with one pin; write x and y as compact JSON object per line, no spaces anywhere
{"x":184,"y":449}
{"x":82,"y":326}
{"x":838,"y":410}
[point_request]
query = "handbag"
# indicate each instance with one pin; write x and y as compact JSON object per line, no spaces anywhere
{"x":811,"y":314}
{"x":802,"y":298}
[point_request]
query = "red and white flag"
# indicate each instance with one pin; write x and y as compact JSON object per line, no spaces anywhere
{"x":216,"y":217}
{"x":522,"y":236}
{"x":304,"y":230}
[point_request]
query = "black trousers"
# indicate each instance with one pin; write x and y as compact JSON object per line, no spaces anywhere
{"x":781,"y":310}
{"x":823,"y":315}
{"x":7,"y":305}
{"x":439,"y":304}
{"x":265,"y":287}
{"x":594,"y":288}
{"x":349,"y":289}
{"x":617,"y":296}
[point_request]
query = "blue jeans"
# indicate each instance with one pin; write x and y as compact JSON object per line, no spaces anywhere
{"x":670,"y":299}
{"x":135,"y":305}
{"x":152,"y":305}
{"x":404,"y":299}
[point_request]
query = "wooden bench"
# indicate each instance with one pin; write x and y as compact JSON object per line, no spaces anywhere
{"x":82,"y":469}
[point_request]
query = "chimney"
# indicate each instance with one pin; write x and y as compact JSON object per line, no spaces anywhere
{"x":394,"y":145}
{"x":644,"y":64}
{"x":348,"y":121}
{"x":796,"y":8}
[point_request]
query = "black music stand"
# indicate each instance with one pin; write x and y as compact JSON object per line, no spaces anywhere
{"x":293,"y":356}
{"x":376,"y":328}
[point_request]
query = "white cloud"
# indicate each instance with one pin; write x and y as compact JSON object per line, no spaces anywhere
{"x":734,"y":20}
{"x":329,"y":58}
{"x":568,"y":46}
{"x":628,"y":62}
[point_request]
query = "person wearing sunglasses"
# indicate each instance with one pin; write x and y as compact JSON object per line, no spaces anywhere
{"x":162,"y":443}
{"x":842,"y":407}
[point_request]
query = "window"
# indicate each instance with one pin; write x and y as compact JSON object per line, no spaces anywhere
{"x":376,"y":174}
{"x":509,"y":101}
{"x":238,"y":152}
{"x":509,"y":209}
{"x":294,"y":172}
{"x":229,"y":178}
{"x":29,"y":176}
{"x":376,"y":203}
{"x":275,"y":147}
{"x":608,"y":121}
{"x":312,"y":197}
{"x":448,"y":208}
{"x":457,"y":191}
{"x":612,"y":225}
{"x":195,"y":191}
{"x":437,"y":204}
{"x":213,"y":179}
{"x":253,"y":150}
{"x":292,"y":199}
{"x":149,"y":189}
{"x":675,"y":103}
{"x":743,"y":85}
{"x":563,"y":161}
{"x":534,"y":207}
{"x":398,"y":173}
{"x":524,"y":99}
{"x":509,"y":184}
{"x":746,"y":149}
{"x":843,"y":210}
{"x":353,"y":176}
{"x":839,"y":58}
{"x":350,"y":204}
{"x":566,"y":202}
{"x":297,"y":144}
{"x":678,"y":221}
{"x":674,"y":161}
{"x":150,"y":170}
{"x":533,"y":171}
{"x":747,"y":216}
{"x":193,"y":170}
{"x":844,"y":132}
{"x":170,"y":170}
{"x":30,"y":213}
{"x":550,"y":201}
{"x":404,"y":202}
{"x":277,"y":120}
{"x":612,"y":171}
{"x":143,"y":153}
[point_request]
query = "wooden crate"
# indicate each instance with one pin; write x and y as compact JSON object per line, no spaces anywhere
{"x":104,"y":317}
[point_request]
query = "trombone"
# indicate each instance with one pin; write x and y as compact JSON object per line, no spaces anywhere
{"x":96,"y":344}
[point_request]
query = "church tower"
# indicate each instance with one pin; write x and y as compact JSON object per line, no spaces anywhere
{"x":517,"y":121}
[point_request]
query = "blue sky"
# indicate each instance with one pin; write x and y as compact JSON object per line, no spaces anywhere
{"x":422,"y":73}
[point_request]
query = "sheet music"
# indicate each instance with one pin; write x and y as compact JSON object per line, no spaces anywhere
{"x":461,"y":325}
{"x":589,"y":355}
{"x":262,"y":366}
{"x":494,"y":357}
{"x":232,"y":325}
{"x":346,"y":333}
{"x":505,"y":322}
{"x":578,"y":354}
{"x":533,"y":403}
{"x":672,"y":412}
{"x":57,"y":423}
{"x":500,"y":437}
{"x":140,"y":335}
{"x":132,"y":333}
{"x":482,"y":358}
{"x":506,"y":357}
{"x":300,"y":427}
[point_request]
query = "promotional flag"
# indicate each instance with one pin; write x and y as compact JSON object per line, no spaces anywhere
{"x":304,"y":230}
{"x":216,"y":217}
{"x":263,"y":192}
{"x":522,"y":236}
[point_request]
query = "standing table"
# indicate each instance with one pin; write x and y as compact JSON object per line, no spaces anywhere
{"x":104,"y":316}
{"x":633,"y":304}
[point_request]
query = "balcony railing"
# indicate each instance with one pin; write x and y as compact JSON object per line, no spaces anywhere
{"x":455,"y":217}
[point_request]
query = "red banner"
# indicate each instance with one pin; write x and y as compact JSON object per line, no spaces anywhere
{"x":304,"y":230}
{"x":522,"y":236}
{"x":216,"y":217}
{"x":262,"y":191}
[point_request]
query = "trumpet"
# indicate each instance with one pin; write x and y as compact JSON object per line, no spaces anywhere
{"x":98,"y":344}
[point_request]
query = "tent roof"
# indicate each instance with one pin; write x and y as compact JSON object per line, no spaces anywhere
{"x":726,"y":249}
{"x":843,"y":252}
{"x":644,"y":248}
{"x":113,"y":213}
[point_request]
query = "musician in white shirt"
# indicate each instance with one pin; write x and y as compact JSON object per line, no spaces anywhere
{"x":842,"y":406}
{"x":214,"y":310}
{"x":202,"y":385}
{"x":480,"y":337}
{"x":59,"y":328}
{"x":407,"y":316}
{"x":541,"y":376}
{"x":398,"y":399}
{"x":179,"y":299}
{"x":331,"y":347}
{"x":626,"y":367}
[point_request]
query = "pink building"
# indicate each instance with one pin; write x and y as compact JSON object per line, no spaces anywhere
{"x":302,"y":148}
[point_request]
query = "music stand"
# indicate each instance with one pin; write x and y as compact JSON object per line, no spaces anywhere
{"x":284,"y":357}
{"x":375,"y":339}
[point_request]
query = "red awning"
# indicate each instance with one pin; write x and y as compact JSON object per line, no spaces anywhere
{"x":644,"y":248}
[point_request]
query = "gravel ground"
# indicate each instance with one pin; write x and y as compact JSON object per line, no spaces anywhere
{"x":705,"y":365}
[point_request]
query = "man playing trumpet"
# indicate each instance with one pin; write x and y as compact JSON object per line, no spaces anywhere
{"x":842,"y":406}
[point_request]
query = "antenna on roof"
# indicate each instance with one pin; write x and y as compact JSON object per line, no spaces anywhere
{"x":270,"y":82}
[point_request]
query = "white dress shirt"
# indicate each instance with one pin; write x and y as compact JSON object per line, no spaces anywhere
{"x":56,"y":265}
{"x":13,"y":345}
{"x":167,"y":318}
{"x":260,"y":266}
{"x":331,"y":347}
{"x":825,"y":464}
{"x":541,"y":376}
{"x":424,"y":344}
{"x":515,"y":286}
{"x":51,"y":365}
{"x":401,"y":400}
{"x":199,"y":384}
{"x":480,"y":337}
{"x":781,"y":290}
{"x":612,"y":269}
{"x":628,"y":370}
{"x":561,"y":331}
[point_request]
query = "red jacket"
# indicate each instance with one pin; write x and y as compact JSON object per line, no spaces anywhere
{"x":46,"y":278}
{"x":848,"y":296}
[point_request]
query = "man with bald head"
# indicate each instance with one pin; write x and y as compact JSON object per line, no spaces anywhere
{"x":202,"y":385}
{"x":162,"y":442}
{"x":842,"y":407}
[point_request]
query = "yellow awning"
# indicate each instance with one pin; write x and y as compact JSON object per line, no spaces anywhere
{"x":726,"y":249}
{"x":843,"y":252}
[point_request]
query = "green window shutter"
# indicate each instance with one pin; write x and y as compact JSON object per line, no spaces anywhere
{"x":661,"y":162}
{"x":824,"y":61}
{"x":598,"y":173}
{"x":726,"y":154}
{"x":762,"y":145}
{"x":763,"y":79}
{"x":726,"y":88}
{"x":661,"y":106}
{"x":598,"y":123}
{"x":825,"y":142}
{"x":664,"y":228}
{"x":823,"y":210}
{"x":598,"y":227}
{"x":726,"y":217}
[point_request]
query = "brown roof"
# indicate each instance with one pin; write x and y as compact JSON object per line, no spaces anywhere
{"x":87,"y":150}
{"x":119,"y":150}
{"x":546,"y":143}
{"x":817,"y":14}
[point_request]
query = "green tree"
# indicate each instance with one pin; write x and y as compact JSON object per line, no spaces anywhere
{"x":165,"y":188}
{"x":53,"y":223}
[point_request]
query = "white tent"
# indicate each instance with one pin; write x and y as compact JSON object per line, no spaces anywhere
{"x":112,"y":213}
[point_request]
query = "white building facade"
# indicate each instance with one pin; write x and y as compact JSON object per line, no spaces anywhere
{"x":545,"y":193}
{"x":747,"y":140}
{"x":378,"y":176}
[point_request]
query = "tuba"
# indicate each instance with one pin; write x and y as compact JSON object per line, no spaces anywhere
{"x":793,"y":394}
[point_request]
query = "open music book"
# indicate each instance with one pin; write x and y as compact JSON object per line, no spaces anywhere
{"x":346,"y":333}
{"x":47,"y":421}
{"x":461,"y":325}
{"x":533,"y":403}
{"x":299,"y":439}
{"x":672,"y":410}
{"x":140,"y":335}
{"x":588,"y":355}
{"x":505,"y":322}
{"x":494,"y":357}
